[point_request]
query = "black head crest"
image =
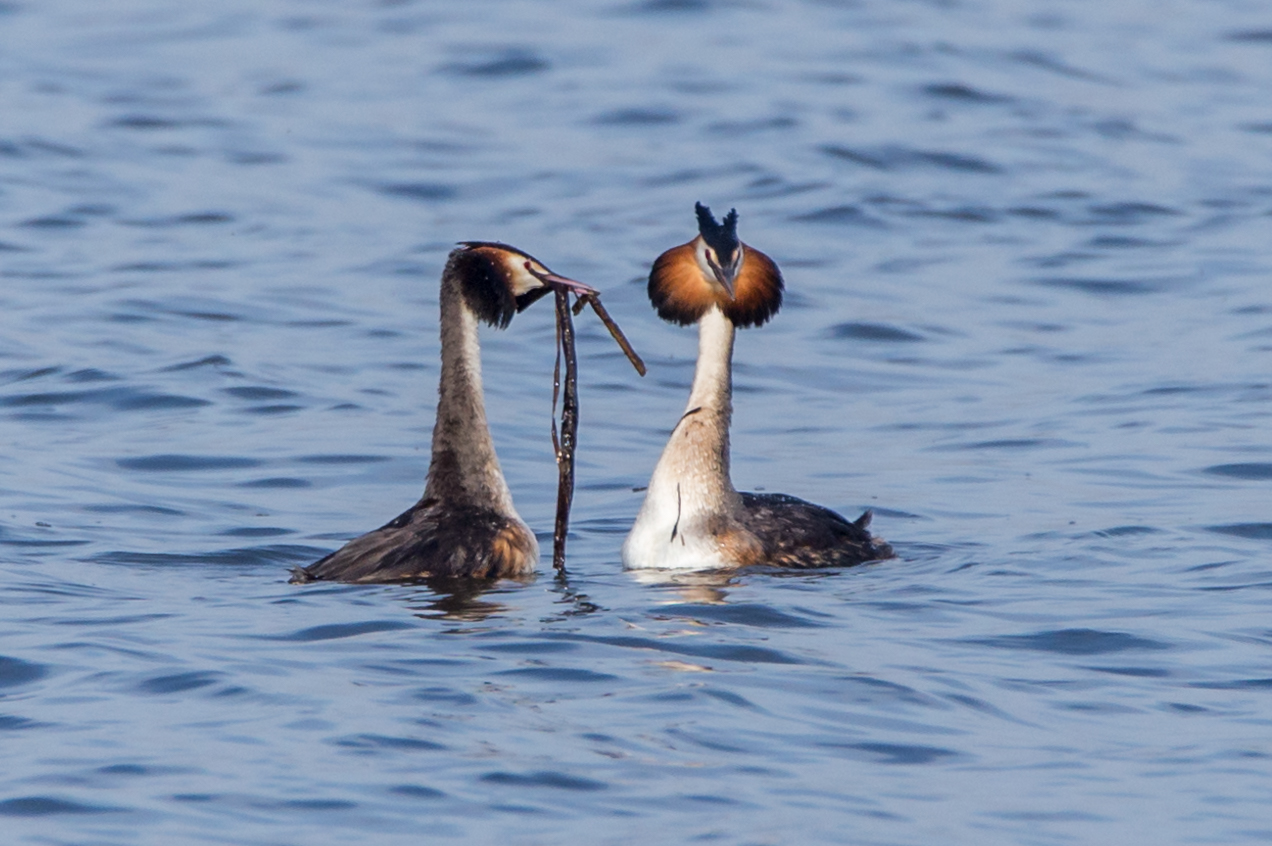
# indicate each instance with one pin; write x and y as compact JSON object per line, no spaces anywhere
{"x":682,"y":290}
{"x":721,"y":237}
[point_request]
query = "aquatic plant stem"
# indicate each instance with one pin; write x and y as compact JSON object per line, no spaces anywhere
{"x":564,"y":444}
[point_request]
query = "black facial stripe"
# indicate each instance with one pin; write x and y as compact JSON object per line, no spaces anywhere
{"x":525,"y":300}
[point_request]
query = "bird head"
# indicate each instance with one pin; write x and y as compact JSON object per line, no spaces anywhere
{"x":715,"y":268}
{"x":499,"y":280}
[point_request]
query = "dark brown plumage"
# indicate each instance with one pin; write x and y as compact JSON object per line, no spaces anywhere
{"x":796,"y":533}
{"x":429,"y":540}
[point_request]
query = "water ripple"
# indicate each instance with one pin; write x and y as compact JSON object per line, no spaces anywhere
{"x":873,"y":332}
{"x":49,"y":806}
{"x":498,"y":65}
{"x":15,"y":671}
{"x":371,"y":743}
{"x":175,"y":463}
{"x":723,"y":652}
{"x":900,"y":158}
{"x":120,"y":399}
{"x":1252,"y":471}
{"x":1073,"y":642}
{"x":1253,"y":531}
{"x":893,"y":753}
{"x":179,"y":682}
{"x":746,"y":614}
{"x":544,"y":778}
{"x":337,"y":631}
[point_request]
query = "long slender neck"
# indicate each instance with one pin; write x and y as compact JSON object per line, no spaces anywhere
{"x":464,"y":466}
{"x":713,"y":376}
{"x":694,"y":468}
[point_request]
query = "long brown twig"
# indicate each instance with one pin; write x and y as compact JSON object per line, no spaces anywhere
{"x":595,"y":302}
{"x":565,"y":443}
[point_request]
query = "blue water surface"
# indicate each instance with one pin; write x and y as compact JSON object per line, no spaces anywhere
{"x":1028,"y":322}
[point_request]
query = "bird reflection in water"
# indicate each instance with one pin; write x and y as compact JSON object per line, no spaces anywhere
{"x":464,"y":600}
{"x":707,"y":587}
{"x":458,"y":599}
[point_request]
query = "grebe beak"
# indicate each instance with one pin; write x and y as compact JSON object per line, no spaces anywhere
{"x":553,"y":280}
{"x":725,"y":278}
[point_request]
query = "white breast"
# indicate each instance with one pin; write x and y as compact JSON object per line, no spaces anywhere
{"x":667,"y":538}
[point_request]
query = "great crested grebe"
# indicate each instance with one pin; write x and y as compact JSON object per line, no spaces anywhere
{"x":693,"y":517}
{"x":465,"y":524}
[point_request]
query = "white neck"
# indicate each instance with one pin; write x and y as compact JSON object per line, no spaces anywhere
{"x":713,"y":375}
{"x":464,"y":466}
{"x":691,"y":483}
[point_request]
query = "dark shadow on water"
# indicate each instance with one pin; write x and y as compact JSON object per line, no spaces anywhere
{"x":15,"y":671}
{"x":1135,"y":672}
{"x":121,"y":399}
{"x":873,"y":332}
{"x":1253,"y":531}
{"x":842,"y":214}
{"x":49,"y":806}
{"x":172,"y":463}
{"x":252,"y":556}
{"x":424,"y":192}
{"x":1111,"y":287}
{"x":894,"y":157}
{"x":543,"y":778}
{"x":178,"y":682}
{"x":667,"y":7}
{"x":504,"y":64}
{"x":894,"y":753}
{"x":1072,"y":642}
{"x":741,"y":653}
{"x":957,"y":92}
{"x":1252,"y":471}
{"x":637,"y":117}
{"x":277,"y":482}
{"x":1125,"y":531}
{"x":1238,"y":684}
{"x":338,"y":631}
{"x":417,"y":791}
{"x":371,"y":744}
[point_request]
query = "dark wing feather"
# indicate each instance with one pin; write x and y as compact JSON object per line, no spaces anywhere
{"x":799,"y":534}
{"x":429,"y":541}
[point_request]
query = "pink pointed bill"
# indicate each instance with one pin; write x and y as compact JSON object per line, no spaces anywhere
{"x":550,"y":278}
